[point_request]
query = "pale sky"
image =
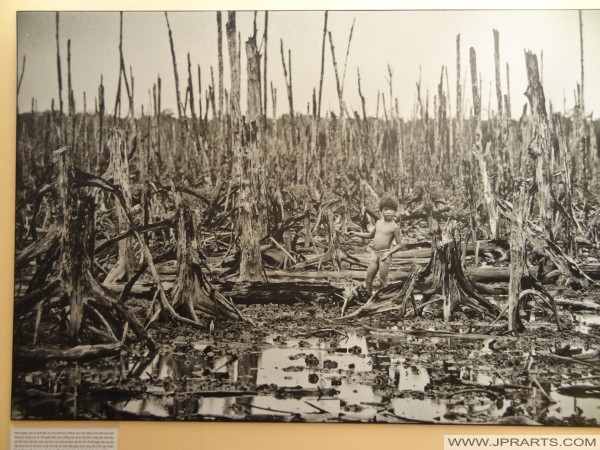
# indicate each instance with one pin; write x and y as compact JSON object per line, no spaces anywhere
{"x":411,"y":42}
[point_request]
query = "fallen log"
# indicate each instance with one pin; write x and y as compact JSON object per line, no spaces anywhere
{"x":481,"y":274}
{"x":578,"y":305}
{"x":425,"y":251}
{"x":568,"y":360}
{"x":77,"y":353}
{"x":215,"y":393}
{"x":278,"y":292}
{"x":298,"y":392}
{"x":588,"y":390}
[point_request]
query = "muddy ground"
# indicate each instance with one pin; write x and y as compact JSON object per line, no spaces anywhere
{"x":300,"y":363}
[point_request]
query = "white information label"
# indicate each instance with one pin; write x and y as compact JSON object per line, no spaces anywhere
{"x":63,"y":439}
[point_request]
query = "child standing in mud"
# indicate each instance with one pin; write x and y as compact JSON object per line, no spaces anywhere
{"x":383,"y":234}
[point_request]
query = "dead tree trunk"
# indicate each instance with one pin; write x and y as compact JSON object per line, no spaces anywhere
{"x":58,"y":67}
{"x":175,"y":73}
{"x":543,"y":245}
{"x":581,"y":102}
{"x":264,"y":81}
{"x":74,"y":283}
{"x":337,"y":78}
{"x":334,"y":255}
{"x":518,"y":264}
{"x":234,"y":68}
{"x":73,"y":229}
{"x":497,"y":67}
{"x":118,"y":170}
{"x":288,"y":85}
{"x":220,"y":61}
{"x":70,"y":95}
{"x":22,"y":71}
{"x":488,"y":193}
{"x":322,"y":65}
{"x":539,"y":145}
{"x":244,"y":137}
{"x":446,"y":277}
{"x":250,"y":228}
{"x":100,"y":139}
{"x":192,"y":290}
{"x":123,"y":72}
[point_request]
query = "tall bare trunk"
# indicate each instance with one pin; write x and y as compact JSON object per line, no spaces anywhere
{"x":123,"y":72}
{"x":507,"y":97}
{"x":71,"y":96}
{"x":288,"y":85}
{"x":337,"y":78}
{"x":220,"y":56}
{"x":244,"y":144}
{"x":581,"y":58}
{"x":59,"y":69}
{"x":234,"y":68}
{"x":264,"y":81}
{"x":250,"y":227}
{"x":539,"y":145}
{"x":175,"y":73}
{"x":497,"y":67}
{"x":101,"y":109}
{"x":118,"y":170}
{"x":478,"y":152}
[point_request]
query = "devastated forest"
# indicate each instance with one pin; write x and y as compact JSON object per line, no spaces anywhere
{"x":196,"y":264}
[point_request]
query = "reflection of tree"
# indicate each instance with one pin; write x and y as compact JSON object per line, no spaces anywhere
{"x":184,"y":407}
{"x":413,"y":378}
{"x":165,"y":365}
{"x":247,"y":367}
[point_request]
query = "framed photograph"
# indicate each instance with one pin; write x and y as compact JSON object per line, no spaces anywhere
{"x":308,"y":216}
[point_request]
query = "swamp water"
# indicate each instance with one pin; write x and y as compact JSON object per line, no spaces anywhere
{"x":331,"y":377}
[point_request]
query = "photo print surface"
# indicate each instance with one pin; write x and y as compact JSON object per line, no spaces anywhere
{"x":308,"y":216}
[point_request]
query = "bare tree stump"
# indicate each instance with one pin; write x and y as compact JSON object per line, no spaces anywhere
{"x":334,"y":255}
{"x":192,"y":290}
{"x":74,"y":283}
{"x":543,"y":245}
{"x":443,"y":276}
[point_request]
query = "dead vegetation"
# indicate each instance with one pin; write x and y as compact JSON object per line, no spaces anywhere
{"x":171,"y":209}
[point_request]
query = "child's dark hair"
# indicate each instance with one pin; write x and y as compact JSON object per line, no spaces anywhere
{"x":388,"y":202}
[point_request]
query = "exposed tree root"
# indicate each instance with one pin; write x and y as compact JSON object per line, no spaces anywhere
{"x":334,"y":254}
{"x":74,"y":284}
{"x":192,"y":290}
{"x":544,"y":246}
{"x":442,"y":276}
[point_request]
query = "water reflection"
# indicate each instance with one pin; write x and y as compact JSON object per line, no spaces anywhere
{"x":587,"y":322}
{"x":428,"y":410}
{"x":409,"y":378}
{"x":566,"y":406}
{"x":318,"y":365}
{"x":333,"y":376}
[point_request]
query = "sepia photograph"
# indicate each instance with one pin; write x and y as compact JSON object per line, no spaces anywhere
{"x":308,"y":216}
